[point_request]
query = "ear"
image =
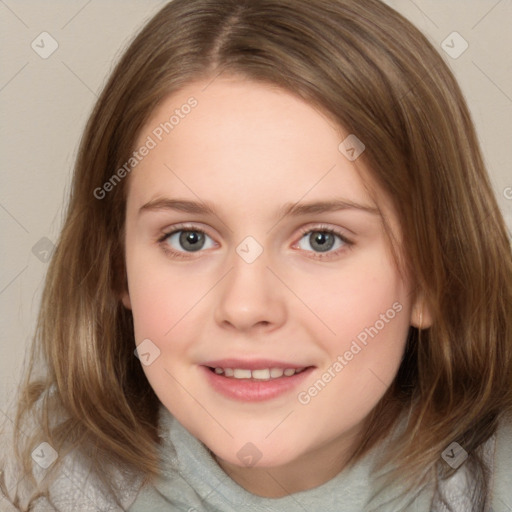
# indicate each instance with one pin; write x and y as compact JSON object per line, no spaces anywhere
{"x":421,"y":315}
{"x":125,"y":298}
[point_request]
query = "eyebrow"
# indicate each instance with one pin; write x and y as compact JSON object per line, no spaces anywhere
{"x":287,"y":210}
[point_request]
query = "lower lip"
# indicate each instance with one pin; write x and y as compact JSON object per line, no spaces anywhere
{"x":251,"y":390}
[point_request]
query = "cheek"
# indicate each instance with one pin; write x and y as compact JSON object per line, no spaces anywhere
{"x":163,"y":312}
{"x":363,"y":315}
{"x":366,"y":292}
{"x":152,"y":306}
{"x":160,"y":297}
{"x":365,"y":354}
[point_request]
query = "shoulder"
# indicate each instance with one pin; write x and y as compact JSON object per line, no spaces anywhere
{"x":497,"y":455}
{"x":77,"y":487}
{"x":73,"y":486}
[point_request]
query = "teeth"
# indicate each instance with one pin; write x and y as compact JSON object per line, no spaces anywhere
{"x":276,"y":372}
{"x":241,"y":374}
{"x":260,"y":374}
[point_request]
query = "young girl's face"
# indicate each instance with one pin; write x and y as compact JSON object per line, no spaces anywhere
{"x":261,"y":289}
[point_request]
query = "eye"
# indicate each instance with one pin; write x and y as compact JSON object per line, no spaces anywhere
{"x":322,"y":240}
{"x":181,"y":241}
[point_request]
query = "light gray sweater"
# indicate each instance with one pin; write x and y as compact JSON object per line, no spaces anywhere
{"x":191,"y":481}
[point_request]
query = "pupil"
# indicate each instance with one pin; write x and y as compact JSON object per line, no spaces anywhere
{"x":191,"y":240}
{"x":325,"y":241}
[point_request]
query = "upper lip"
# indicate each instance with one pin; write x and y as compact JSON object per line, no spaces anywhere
{"x":253,"y":364}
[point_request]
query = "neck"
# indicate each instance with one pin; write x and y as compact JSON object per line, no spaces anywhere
{"x":308,"y":471}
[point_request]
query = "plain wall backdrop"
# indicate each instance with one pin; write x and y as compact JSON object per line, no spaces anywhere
{"x":55,"y":57}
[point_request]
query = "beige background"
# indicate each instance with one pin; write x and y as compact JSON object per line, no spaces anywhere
{"x":45,"y":104}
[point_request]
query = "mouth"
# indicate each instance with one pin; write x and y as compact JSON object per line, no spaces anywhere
{"x":253,"y":381}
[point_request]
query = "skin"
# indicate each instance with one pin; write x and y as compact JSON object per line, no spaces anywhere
{"x":248,"y":149}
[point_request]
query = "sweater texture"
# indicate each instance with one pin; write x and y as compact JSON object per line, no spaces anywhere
{"x":192,"y":481}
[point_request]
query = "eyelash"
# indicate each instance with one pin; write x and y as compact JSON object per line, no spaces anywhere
{"x":326,"y":229}
{"x":177,"y":229}
{"x":303,"y":231}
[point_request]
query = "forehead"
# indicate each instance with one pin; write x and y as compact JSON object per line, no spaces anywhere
{"x":248,"y":146}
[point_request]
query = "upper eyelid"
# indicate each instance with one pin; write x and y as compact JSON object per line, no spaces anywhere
{"x":324,"y":227}
{"x":182,"y":227}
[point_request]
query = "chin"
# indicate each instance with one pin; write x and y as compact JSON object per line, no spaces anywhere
{"x":248,"y":454}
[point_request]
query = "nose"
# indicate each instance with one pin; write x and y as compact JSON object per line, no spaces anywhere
{"x":251,"y":298}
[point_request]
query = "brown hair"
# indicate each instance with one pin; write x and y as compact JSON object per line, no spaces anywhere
{"x":374,"y":73}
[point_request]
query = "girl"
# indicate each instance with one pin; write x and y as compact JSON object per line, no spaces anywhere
{"x":283,"y":282}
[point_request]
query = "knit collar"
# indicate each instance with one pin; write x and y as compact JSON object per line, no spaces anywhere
{"x":188,"y":464}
